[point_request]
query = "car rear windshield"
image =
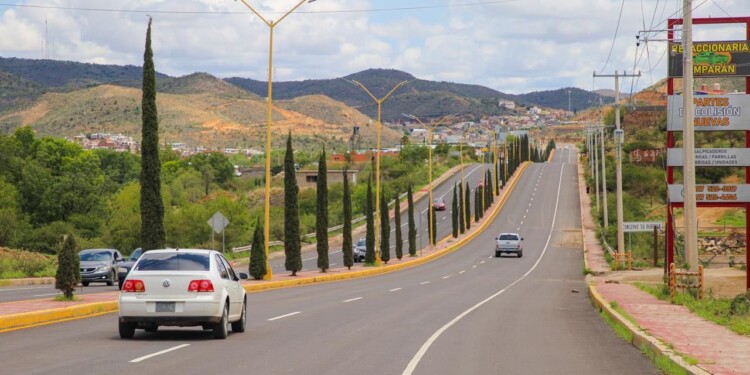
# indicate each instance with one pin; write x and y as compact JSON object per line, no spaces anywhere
{"x":511,"y":237}
{"x":174,"y":262}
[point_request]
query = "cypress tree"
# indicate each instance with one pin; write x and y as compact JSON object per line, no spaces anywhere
{"x":412,"y":225}
{"x":292,"y":245}
{"x":467,"y":209}
{"x":68,"y":273}
{"x":346,"y":247}
{"x":385,"y":229}
{"x":152,"y":208}
{"x":258,"y":253}
{"x":454,"y":212}
{"x":321,"y":217}
{"x":477,"y":204}
{"x":461,"y":222}
{"x":497,"y":183}
{"x":433,"y":234}
{"x":397,"y":222}
{"x":370,"y":235}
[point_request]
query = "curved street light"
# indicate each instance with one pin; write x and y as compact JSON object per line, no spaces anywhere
{"x":377,"y":158}
{"x":267,"y":212}
{"x":429,"y":147}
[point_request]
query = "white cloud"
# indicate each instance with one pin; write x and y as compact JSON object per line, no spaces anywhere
{"x":514,"y":47}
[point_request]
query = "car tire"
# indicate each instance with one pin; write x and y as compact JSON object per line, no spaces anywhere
{"x":220,"y":328}
{"x":111,"y":280}
{"x":497,"y":254}
{"x":239,"y":326}
{"x":85,"y":283}
{"x":520,"y":254}
{"x":127,"y":330}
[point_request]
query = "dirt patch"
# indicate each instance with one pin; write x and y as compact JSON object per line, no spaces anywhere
{"x":569,"y":238}
{"x":720,"y":282}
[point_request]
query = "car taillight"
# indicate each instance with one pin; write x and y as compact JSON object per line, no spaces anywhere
{"x":201,"y":286}
{"x":133,"y":286}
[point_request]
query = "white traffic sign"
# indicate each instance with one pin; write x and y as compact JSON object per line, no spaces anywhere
{"x":641,"y":226}
{"x":712,"y":157}
{"x":712,"y":113}
{"x":218,"y":222}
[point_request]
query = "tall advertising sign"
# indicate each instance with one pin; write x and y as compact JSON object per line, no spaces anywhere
{"x":728,"y":58}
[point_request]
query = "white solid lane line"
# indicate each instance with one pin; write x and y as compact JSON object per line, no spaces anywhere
{"x":145,"y":357}
{"x":395,"y":290}
{"x":426,"y":346}
{"x":284,"y":316}
{"x":352,"y":300}
{"x":45,"y":295}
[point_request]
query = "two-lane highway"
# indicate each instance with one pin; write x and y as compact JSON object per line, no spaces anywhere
{"x":464,"y":313}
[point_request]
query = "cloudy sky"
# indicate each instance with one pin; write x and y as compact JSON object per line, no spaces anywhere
{"x":514,"y":46}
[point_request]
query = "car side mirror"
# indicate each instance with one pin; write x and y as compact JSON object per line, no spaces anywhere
{"x":243,"y":276}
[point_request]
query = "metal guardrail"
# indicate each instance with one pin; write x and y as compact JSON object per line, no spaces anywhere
{"x":309,"y":235}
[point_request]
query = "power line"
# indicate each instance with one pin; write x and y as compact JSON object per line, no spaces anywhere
{"x":396,"y":9}
{"x":614,"y":39}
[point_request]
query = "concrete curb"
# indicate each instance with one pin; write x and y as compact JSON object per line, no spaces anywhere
{"x":27,"y":281}
{"x":25,"y":320}
{"x":641,"y":339}
{"x":36,"y":318}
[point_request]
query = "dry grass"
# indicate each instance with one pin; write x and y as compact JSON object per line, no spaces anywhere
{"x":15,"y":264}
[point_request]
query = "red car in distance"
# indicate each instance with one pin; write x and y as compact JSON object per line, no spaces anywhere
{"x":438,"y":204}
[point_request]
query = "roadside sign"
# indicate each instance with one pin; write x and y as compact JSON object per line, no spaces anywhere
{"x":712,"y":157}
{"x":711,"y":113}
{"x":712,"y":193}
{"x":218,"y":222}
{"x":712,"y":59}
{"x":641,"y":226}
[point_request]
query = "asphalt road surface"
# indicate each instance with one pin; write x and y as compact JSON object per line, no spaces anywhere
{"x":464,"y":313}
{"x":472,"y":174}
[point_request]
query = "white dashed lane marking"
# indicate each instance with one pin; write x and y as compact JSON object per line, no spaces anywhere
{"x":352,"y":300}
{"x":284,"y":316}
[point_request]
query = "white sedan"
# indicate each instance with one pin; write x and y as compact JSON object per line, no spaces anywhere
{"x":182,"y":287}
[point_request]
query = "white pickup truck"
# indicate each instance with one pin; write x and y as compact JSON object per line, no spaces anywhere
{"x":509,"y":243}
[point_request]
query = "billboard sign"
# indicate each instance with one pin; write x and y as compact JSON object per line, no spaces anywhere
{"x":724,"y":193}
{"x":713,"y":59}
{"x":712,"y":157}
{"x":712,"y":113}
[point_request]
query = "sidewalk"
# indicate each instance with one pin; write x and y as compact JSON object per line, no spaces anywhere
{"x":24,"y":314}
{"x":671,"y":330}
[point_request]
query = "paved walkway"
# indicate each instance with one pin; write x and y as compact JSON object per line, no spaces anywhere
{"x":717,"y":349}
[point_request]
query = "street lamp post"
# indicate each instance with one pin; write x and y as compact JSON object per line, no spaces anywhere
{"x":429,"y":153}
{"x":377,"y":160}
{"x":267,"y":212}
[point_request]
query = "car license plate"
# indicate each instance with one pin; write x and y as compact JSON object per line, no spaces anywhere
{"x":165,"y":307}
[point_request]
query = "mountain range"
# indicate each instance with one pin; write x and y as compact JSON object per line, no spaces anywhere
{"x":61,"y":98}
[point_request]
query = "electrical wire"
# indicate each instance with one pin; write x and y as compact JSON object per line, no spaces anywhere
{"x":614,"y":39}
{"x":396,"y":9}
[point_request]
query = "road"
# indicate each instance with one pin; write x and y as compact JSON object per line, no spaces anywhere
{"x":472,"y":173}
{"x":464,"y":313}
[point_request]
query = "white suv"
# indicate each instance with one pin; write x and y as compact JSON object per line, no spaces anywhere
{"x":182,"y":287}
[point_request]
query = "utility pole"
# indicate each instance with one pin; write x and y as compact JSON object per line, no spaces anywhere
{"x":596,"y":168}
{"x":619,"y":138}
{"x":604,"y":166}
{"x":688,"y":139}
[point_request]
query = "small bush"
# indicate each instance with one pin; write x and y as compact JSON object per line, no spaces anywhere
{"x":740,"y":304}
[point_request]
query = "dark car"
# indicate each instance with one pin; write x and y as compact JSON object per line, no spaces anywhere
{"x":359,"y":251}
{"x":99,"y":265}
{"x":438,"y":204}
{"x":126,"y":265}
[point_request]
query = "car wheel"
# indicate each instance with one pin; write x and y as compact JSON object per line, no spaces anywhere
{"x":220,"y":328}
{"x":85,"y":283}
{"x":111,"y":280}
{"x":119,"y":283}
{"x":127,"y":330}
{"x":239,"y":326}
{"x":520,"y":254}
{"x":497,"y":254}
